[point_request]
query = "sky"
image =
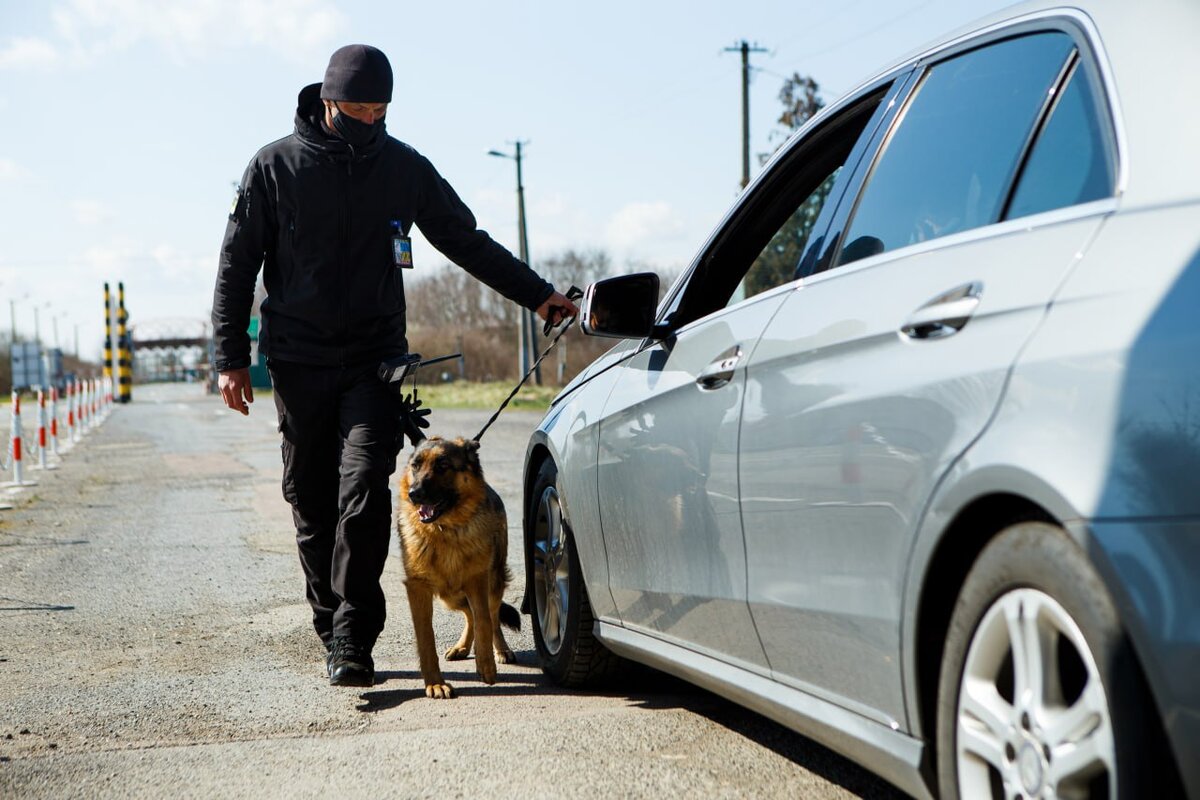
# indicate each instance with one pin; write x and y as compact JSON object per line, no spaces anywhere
{"x":127,"y":124}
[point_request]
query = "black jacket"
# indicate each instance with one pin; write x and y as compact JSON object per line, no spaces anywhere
{"x":316,"y":215}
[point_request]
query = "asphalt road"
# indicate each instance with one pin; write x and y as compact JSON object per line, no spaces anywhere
{"x":154,"y":641}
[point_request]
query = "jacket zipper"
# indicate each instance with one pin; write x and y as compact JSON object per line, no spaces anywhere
{"x":344,"y":248}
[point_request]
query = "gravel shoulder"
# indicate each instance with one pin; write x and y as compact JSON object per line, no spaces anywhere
{"x":154,"y":641}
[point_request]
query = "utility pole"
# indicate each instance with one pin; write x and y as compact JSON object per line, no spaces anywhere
{"x":527,"y":331}
{"x":745,"y":48}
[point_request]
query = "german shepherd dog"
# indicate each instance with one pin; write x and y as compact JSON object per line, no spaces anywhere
{"x":454,"y":542}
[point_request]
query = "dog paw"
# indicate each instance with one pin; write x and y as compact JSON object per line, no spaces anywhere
{"x":439,"y":691}
{"x":487,"y":672}
{"x":506,"y":656}
{"x":458,"y":653}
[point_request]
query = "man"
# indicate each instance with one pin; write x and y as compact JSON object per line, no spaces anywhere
{"x":325,"y":212}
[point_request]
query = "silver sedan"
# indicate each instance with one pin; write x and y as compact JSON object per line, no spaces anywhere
{"x":908,"y":458}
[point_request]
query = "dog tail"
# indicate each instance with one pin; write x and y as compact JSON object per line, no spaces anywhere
{"x":510,"y":617}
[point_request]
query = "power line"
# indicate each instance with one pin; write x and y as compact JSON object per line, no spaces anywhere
{"x":863,"y":34}
{"x":808,"y":29}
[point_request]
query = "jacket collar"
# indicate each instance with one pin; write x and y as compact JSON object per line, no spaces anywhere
{"x":310,"y":129}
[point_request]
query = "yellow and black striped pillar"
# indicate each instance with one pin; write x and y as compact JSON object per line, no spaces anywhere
{"x":124,"y":350}
{"x":107,"y":333}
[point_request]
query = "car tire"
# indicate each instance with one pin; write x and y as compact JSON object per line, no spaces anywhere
{"x":1040,"y":693}
{"x":562,"y":614}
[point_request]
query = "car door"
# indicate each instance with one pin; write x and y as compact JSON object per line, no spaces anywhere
{"x":878,"y":372}
{"x":668,"y":440}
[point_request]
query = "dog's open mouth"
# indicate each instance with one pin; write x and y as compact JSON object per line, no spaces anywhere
{"x":428,"y":513}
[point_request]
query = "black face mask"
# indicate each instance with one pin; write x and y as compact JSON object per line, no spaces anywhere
{"x":355,"y":132}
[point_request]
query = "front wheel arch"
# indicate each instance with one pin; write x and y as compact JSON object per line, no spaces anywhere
{"x":1042,"y":595}
{"x":556,"y":595}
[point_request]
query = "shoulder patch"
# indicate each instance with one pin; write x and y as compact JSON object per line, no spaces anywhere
{"x":237,"y":208}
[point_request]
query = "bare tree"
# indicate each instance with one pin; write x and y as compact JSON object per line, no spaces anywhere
{"x":800,"y":96}
{"x":450,"y":311}
{"x":576,"y":267}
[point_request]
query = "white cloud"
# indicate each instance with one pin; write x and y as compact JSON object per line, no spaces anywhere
{"x":182,"y":268}
{"x":11,"y":170}
{"x":91,"y":212}
{"x":160,"y":281}
{"x":23,"y":52}
{"x":192,"y":30}
{"x":644,"y":226}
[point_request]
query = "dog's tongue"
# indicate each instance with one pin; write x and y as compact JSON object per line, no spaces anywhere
{"x":425,"y":512}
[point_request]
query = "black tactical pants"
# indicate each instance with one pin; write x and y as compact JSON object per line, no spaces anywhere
{"x":339,"y":450}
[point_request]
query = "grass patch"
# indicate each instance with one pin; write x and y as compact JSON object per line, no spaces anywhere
{"x":484,"y":396}
{"x":468,"y":394}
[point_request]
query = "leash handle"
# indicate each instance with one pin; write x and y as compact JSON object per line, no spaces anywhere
{"x":552,"y":313}
{"x":574,"y":293}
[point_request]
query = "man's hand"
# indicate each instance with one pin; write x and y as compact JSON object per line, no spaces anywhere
{"x":236,"y":390}
{"x":556,"y":308}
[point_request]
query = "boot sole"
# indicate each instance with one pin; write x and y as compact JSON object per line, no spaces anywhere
{"x":352,"y":680}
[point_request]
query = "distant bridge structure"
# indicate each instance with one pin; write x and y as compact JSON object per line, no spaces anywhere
{"x":171,"y":349}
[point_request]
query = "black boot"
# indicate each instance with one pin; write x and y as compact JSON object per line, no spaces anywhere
{"x":350,"y":663}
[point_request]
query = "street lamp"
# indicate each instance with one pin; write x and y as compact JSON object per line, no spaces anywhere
{"x":37,"y":330}
{"x":54,"y":320}
{"x":12,"y":310}
{"x":527,"y":331}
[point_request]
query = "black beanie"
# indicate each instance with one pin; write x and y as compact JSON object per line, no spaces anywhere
{"x":358,"y":73}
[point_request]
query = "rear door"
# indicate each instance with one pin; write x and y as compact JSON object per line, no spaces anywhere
{"x":878,"y":371}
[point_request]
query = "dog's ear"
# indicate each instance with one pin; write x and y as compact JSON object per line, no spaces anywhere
{"x":471,"y":448}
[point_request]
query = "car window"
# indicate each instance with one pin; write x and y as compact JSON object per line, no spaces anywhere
{"x":1072,"y":161}
{"x":776,"y":264}
{"x":949,"y":163}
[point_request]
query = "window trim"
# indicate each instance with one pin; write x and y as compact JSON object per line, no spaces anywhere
{"x":1068,"y":71}
{"x":1008,"y":227}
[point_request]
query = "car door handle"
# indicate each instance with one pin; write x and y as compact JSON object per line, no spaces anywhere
{"x":720,"y":372}
{"x":944,"y":315}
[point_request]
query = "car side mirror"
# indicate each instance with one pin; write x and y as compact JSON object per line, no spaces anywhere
{"x":622,"y":307}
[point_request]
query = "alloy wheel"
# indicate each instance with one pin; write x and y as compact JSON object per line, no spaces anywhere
{"x":1033,"y":720}
{"x":551,"y":570}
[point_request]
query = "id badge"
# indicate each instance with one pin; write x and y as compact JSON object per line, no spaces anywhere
{"x":402,"y":251}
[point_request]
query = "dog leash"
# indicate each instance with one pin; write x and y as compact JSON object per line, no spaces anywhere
{"x":573,"y":294}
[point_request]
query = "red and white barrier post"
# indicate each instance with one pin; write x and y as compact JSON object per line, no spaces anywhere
{"x":41,"y":429}
{"x":72,"y":433}
{"x":15,"y":444}
{"x":43,"y":433}
{"x":54,"y":420}
{"x":83,"y":408}
{"x":94,"y":410}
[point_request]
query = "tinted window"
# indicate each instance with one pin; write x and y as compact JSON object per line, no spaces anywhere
{"x":948,"y":165}
{"x":776,"y":264}
{"x":1072,"y":161}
